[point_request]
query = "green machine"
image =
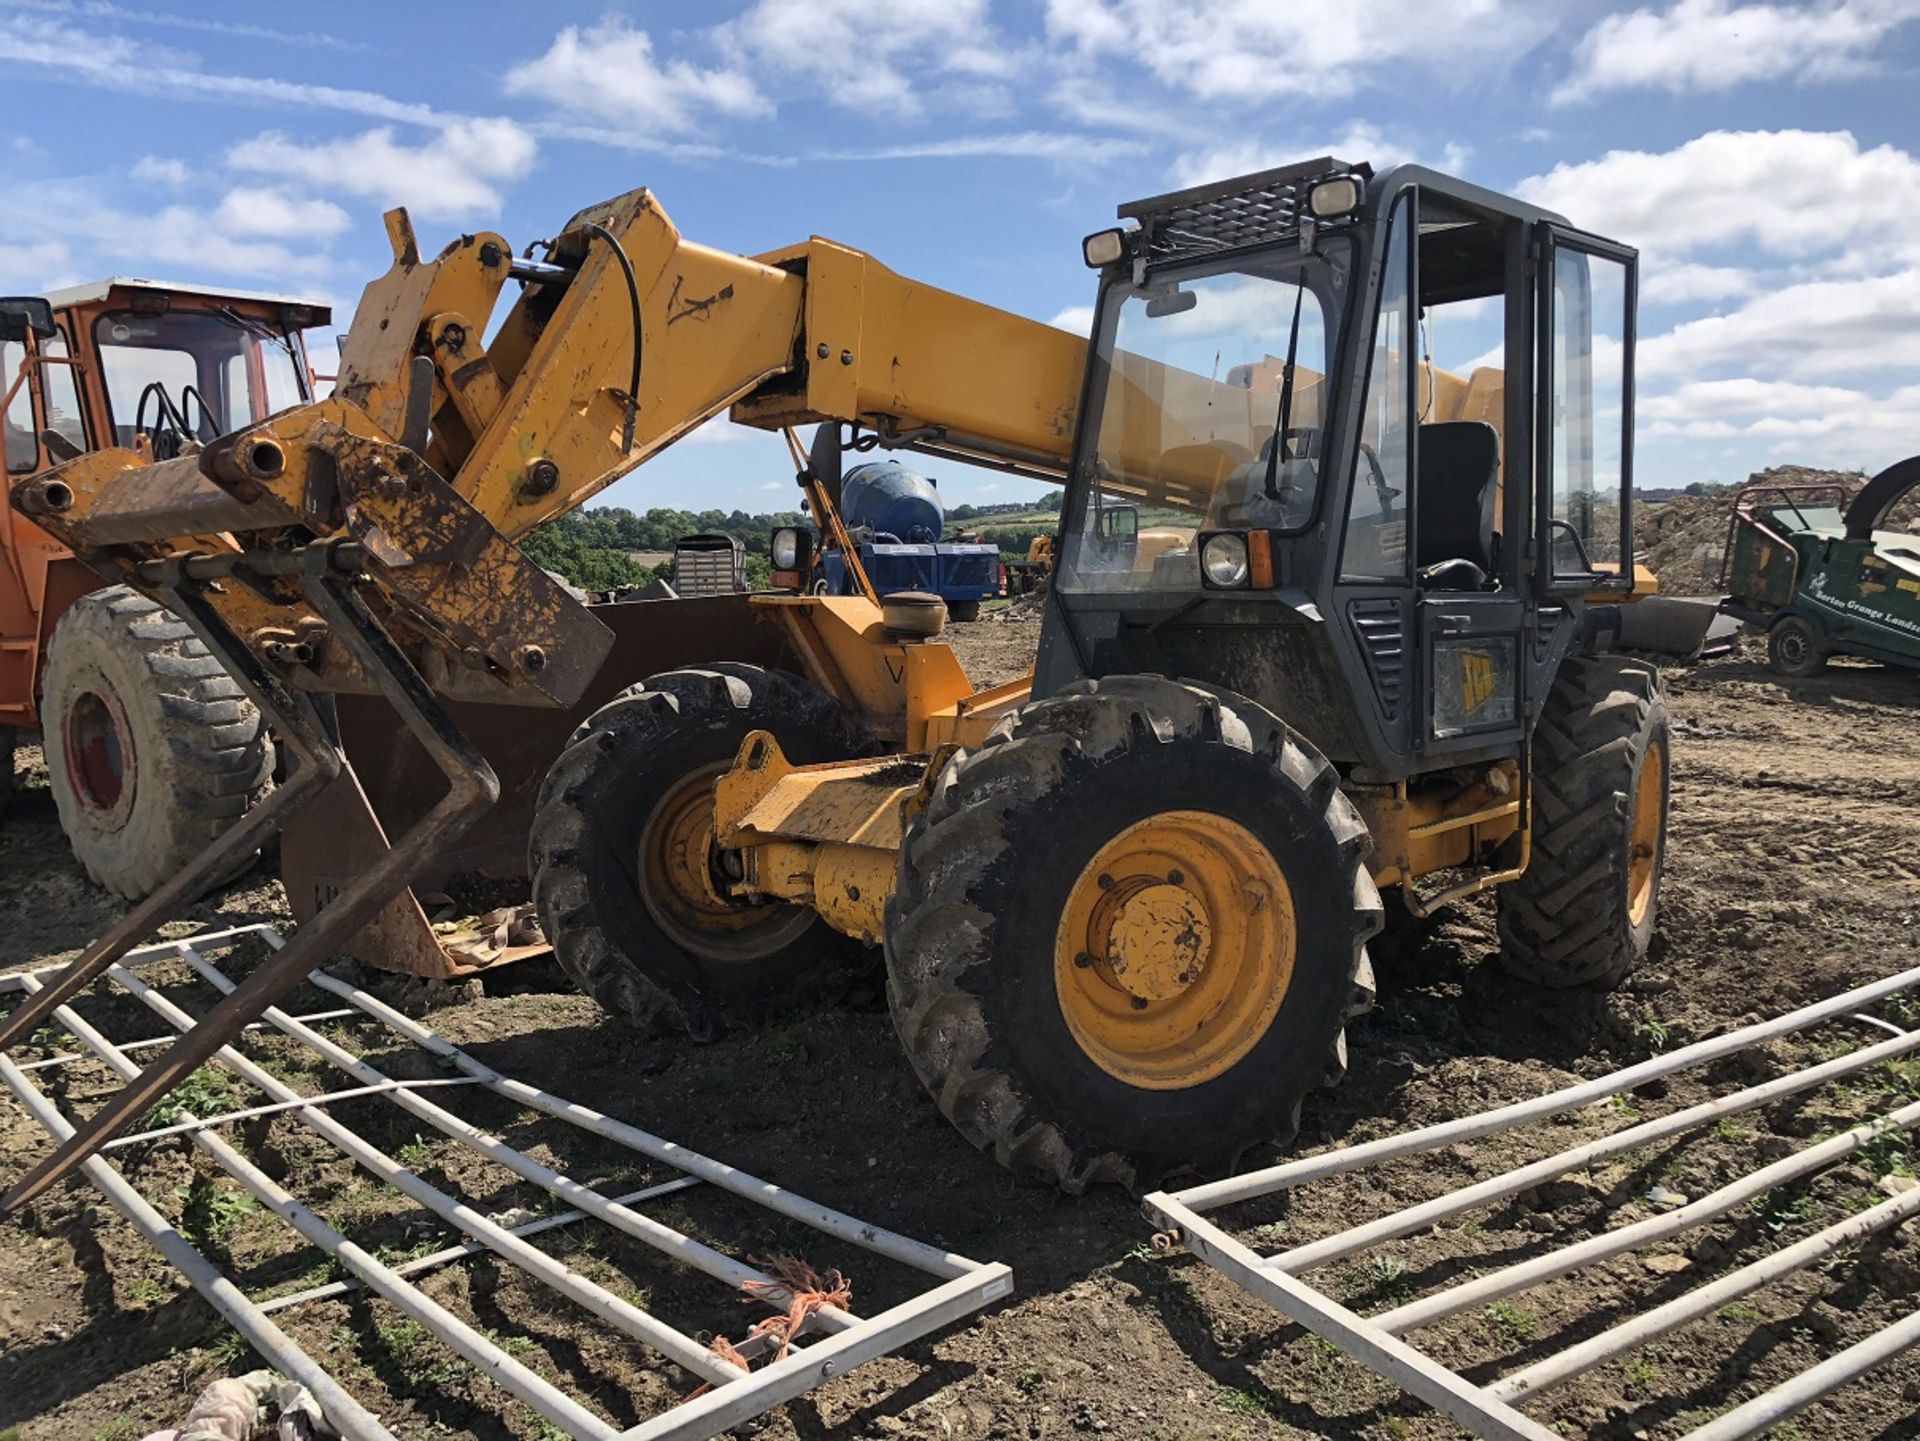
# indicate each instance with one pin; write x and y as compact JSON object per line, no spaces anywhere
{"x":1823,"y":577}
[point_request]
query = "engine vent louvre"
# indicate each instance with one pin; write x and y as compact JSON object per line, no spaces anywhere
{"x":1383,"y":637}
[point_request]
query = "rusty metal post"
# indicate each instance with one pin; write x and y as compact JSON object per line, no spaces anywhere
{"x":472,"y":787}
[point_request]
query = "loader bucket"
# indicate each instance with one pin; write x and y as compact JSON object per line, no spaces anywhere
{"x":1677,"y":626}
{"x":393,"y":781}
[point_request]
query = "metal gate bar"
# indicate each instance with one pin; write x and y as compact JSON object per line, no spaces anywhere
{"x":347,"y":1415}
{"x":548,"y":1400}
{"x":433,"y":1260}
{"x":613,"y":1309}
{"x":734,"y":1396}
{"x":1490,"y":1410}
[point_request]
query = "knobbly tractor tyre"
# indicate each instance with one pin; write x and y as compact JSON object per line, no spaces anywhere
{"x":152,"y":750}
{"x":1795,"y":648}
{"x":625,"y":875}
{"x":1583,"y":913}
{"x":1129,"y":932}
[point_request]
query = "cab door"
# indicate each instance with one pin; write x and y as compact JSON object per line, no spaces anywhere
{"x":1583,"y":470}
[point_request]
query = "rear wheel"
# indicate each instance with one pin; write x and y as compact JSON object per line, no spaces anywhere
{"x":964,"y":610}
{"x":624,"y":869}
{"x":1129,"y":932}
{"x":1583,"y":914}
{"x":1794,"y":648}
{"x":152,"y":749}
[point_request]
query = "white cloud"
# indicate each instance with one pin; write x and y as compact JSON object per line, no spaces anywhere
{"x":116,"y":62}
{"x":1022,"y":145}
{"x":892,"y":39}
{"x":609,"y":72}
{"x":456,"y":172}
{"x":1790,"y":192}
{"x":1077,"y":318}
{"x":1749,"y":398}
{"x":1707,"y":45}
{"x":1688,"y":282}
{"x":1224,"y":50}
{"x":33,"y":266}
{"x":1819,"y":328}
{"x":1360,"y":141}
{"x":161,"y":170}
{"x":1873,"y":429}
{"x":259,"y":210}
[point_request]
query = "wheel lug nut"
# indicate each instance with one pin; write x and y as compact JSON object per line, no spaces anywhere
{"x":1139,"y":1003}
{"x":1176,"y":877}
{"x":1083,"y":960}
{"x":1106,"y":881}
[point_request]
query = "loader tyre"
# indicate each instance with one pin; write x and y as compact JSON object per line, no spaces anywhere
{"x":623,"y":872}
{"x":1794,"y":648}
{"x":152,"y":749}
{"x":1129,"y":932}
{"x":1583,"y":913}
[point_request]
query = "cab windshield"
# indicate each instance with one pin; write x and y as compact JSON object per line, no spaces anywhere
{"x":1202,"y":423}
{"x":194,"y":375}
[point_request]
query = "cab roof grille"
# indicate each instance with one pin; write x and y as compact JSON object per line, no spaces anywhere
{"x":1231,"y":214}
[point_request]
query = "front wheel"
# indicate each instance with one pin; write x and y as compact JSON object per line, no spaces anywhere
{"x":152,"y":749}
{"x":1794,"y":648}
{"x":625,"y":874}
{"x":1129,"y":932}
{"x":1583,"y":913}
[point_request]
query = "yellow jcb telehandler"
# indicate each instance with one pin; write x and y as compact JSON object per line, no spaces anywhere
{"x":1125,"y":904}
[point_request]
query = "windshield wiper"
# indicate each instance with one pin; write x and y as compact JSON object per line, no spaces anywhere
{"x":1283,"y":421}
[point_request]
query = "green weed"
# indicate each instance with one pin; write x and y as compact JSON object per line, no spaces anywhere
{"x":1784,"y":1206}
{"x":212,"y":1212}
{"x":1510,"y":1324}
{"x":205,"y":1093}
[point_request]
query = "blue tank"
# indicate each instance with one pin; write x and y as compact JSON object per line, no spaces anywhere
{"x":888,"y":499}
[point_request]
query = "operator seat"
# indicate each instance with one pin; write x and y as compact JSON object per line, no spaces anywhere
{"x":1458,"y":478}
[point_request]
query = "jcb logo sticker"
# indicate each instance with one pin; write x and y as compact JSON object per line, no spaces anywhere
{"x":1476,"y":679}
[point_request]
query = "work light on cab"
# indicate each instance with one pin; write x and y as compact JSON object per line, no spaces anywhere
{"x":1223,"y":560}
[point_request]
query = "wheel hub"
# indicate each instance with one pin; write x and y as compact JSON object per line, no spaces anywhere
{"x":98,"y":757}
{"x":1175,"y":949}
{"x":1158,"y":941}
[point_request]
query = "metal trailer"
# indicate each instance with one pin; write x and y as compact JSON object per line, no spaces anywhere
{"x":833,"y":1340}
{"x":1824,"y":577}
{"x":1492,"y":1408}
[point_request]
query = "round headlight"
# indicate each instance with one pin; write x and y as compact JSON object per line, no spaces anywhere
{"x":1224,"y":558}
{"x":786,"y":549}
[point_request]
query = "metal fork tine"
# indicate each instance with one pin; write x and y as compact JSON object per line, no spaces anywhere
{"x":318,"y":762}
{"x":472,"y":787}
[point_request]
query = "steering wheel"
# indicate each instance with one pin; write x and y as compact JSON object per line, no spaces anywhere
{"x":169,"y":432}
{"x":1379,"y":477}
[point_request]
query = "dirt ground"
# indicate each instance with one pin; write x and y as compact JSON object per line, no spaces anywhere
{"x":1792,"y":874}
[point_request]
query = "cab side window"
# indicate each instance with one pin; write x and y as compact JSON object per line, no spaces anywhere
{"x":60,"y":392}
{"x":23,"y":450}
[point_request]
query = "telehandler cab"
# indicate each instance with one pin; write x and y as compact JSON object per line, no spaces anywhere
{"x":1323,"y":619}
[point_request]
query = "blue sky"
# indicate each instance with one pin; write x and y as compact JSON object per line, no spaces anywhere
{"x":1764,"y":157}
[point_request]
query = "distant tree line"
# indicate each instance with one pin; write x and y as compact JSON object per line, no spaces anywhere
{"x":594,"y":548}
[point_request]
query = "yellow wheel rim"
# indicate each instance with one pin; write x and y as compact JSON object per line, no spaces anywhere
{"x":1175,"y":950}
{"x":676,"y":869}
{"x":1647,"y":835}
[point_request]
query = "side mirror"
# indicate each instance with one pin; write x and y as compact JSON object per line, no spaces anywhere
{"x":21,"y":315}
